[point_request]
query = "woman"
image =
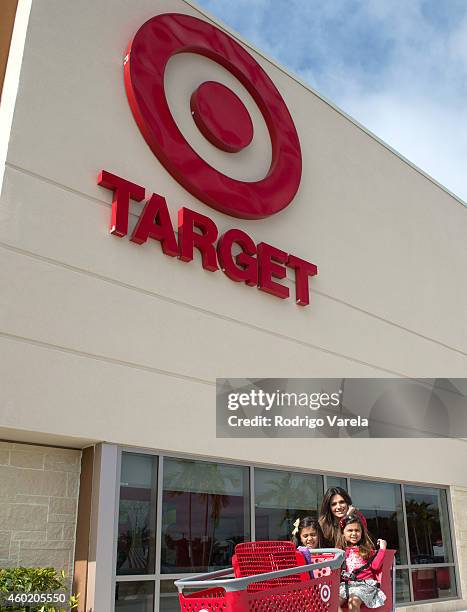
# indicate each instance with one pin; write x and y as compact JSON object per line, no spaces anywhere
{"x":336,"y":505}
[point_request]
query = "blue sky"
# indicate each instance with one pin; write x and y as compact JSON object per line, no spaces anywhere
{"x":399,"y":67}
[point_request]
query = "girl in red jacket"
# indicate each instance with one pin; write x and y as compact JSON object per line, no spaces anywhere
{"x":362,"y":563}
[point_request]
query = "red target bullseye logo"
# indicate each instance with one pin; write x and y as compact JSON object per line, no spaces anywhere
{"x":325,"y":593}
{"x":219,"y":114}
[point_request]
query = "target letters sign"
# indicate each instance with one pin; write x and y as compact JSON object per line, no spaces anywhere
{"x":224,"y":121}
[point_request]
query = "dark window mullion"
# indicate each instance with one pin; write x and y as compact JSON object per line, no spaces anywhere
{"x":160,"y":480}
{"x":407,"y":543}
{"x":452,"y":533}
{"x":252,"y":504}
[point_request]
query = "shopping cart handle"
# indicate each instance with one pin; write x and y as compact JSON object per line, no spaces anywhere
{"x":202,"y":581}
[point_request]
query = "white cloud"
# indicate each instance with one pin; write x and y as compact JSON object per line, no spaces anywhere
{"x":422,"y":131}
{"x":398,"y":67}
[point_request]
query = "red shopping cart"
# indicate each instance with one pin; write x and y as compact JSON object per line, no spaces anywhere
{"x":387,"y":579}
{"x":268,"y":576}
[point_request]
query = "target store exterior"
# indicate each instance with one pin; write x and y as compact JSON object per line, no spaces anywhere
{"x":175,"y":208}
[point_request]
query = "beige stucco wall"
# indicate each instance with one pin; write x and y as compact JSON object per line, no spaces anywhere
{"x":38,"y":502}
{"x":459,"y":508}
{"x":442,"y":606}
{"x":137,"y":339}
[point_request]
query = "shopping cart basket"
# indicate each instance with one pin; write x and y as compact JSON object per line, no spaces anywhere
{"x":278,"y":580}
{"x":387,"y":579}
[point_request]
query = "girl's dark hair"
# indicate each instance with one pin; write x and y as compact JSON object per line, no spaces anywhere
{"x":365,"y":546}
{"x":308,"y":521}
{"x":327,"y":520}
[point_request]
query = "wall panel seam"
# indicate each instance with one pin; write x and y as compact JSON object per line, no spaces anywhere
{"x":153,"y":370}
{"x":220,"y":316}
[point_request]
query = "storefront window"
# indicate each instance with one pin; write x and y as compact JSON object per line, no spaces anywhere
{"x":402,"y":586}
{"x":428,"y":525}
{"x":282,"y":497}
{"x":205,"y":513}
{"x":381,"y":504}
{"x":337,"y":481}
{"x":168,"y":601}
{"x":433,"y":583}
{"x":134,"y":596}
{"x":137,"y":514}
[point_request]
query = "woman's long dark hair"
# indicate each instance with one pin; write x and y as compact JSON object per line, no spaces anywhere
{"x":308,"y":521}
{"x":327,"y":520}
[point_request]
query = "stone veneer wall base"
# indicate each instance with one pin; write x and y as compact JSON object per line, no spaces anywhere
{"x":38,"y":505}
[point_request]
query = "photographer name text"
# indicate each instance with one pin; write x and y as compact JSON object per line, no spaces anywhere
{"x":301,"y":422}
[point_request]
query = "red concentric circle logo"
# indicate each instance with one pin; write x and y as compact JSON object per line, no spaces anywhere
{"x":325,"y":593}
{"x":219,"y":114}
